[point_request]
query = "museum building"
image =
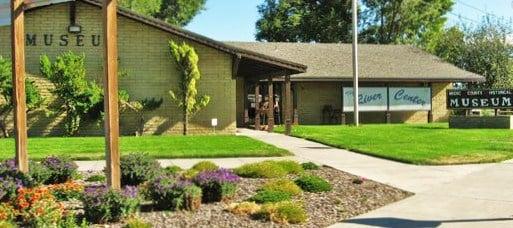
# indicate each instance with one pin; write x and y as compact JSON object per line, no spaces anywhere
{"x":399,"y":83}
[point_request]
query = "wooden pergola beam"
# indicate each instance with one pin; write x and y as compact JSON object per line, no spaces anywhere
{"x":18,"y":82}
{"x":110,"y":85}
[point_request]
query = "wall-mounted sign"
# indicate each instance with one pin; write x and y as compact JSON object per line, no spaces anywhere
{"x":484,"y":99}
{"x":375,"y":99}
{"x":78,"y":40}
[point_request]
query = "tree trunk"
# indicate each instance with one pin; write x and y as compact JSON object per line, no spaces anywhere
{"x":185,"y":122}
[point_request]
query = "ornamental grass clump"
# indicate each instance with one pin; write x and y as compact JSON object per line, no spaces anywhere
{"x":282,"y":185}
{"x":311,"y":183}
{"x":283,"y":212}
{"x":269,"y":196}
{"x":137,"y":168}
{"x":244,"y":208}
{"x":168,"y":193}
{"x":219,"y":185}
{"x":62,"y":169}
{"x":310,"y":166}
{"x":265,"y":169}
{"x":205,"y":166}
{"x":291,"y":167}
{"x":104,"y":205}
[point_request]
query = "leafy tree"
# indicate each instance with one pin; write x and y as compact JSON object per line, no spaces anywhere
{"x":482,"y":50}
{"x":304,"y":21}
{"x":33,"y":97}
{"x":187,"y":97}
{"x":176,"y":12}
{"x":76,"y":95}
{"x":179,"y":12}
{"x":142,"y":106}
{"x":403,"y":21}
{"x":328,"y":21}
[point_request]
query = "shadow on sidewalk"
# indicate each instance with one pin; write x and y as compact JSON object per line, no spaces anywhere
{"x":400,"y":223}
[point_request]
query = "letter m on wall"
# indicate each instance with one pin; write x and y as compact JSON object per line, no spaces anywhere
{"x":30,"y":40}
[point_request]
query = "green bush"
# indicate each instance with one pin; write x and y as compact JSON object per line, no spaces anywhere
{"x":137,"y":223}
{"x":103,"y":204}
{"x":192,"y":197}
{"x":40,"y":174}
{"x":265,"y":169}
{"x":205,"y":166}
{"x":312,"y":183}
{"x":62,"y":169}
{"x":137,"y":168}
{"x":291,"y":167}
{"x":270,"y":196}
{"x":96,"y":178}
{"x":190,"y":174}
{"x":168,"y":193}
{"x":282,"y":185}
{"x":283,"y":212}
{"x":310,"y":166}
{"x":172,"y":170}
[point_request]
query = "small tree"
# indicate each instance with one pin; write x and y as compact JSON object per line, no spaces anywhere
{"x":33,"y":97}
{"x":140,"y":107}
{"x":187,"y":97}
{"x":75,"y":94}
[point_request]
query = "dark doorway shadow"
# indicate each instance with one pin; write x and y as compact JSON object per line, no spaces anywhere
{"x":408,"y":223}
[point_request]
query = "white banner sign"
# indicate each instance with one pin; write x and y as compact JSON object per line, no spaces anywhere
{"x":375,"y":99}
{"x":410,"y":99}
{"x":369,"y":98}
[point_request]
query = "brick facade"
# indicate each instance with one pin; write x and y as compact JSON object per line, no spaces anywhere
{"x":143,"y":54}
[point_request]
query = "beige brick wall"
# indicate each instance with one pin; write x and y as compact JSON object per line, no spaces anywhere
{"x":143,"y":54}
{"x":313,"y":96}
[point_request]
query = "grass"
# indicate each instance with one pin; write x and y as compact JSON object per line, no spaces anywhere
{"x":92,"y":148}
{"x":422,"y":144}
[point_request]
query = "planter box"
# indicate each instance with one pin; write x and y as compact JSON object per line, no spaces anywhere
{"x":495,"y":122}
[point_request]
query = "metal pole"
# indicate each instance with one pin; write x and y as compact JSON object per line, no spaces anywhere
{"x":355,"y":63}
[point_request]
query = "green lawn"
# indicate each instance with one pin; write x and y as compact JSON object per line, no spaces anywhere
{"x":426,"y":144}
{"x":92,"y":148}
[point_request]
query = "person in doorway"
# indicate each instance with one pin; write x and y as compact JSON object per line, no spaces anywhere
{"x":264,"y":111}
{"x":277,"y":114}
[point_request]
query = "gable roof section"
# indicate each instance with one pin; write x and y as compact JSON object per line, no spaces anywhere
{"x":377,"y":62}
{"x":289,"y":66}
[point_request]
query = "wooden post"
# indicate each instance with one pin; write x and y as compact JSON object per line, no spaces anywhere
{"x":110,"y":84}
{"x":270,"y":111}
{"x":246,"y":105}
{"x":257,"y":107}
{"x":18,"y":82}
{"x":288,"y":106}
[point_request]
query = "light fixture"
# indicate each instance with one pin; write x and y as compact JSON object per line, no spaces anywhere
{"x":74,"y":27}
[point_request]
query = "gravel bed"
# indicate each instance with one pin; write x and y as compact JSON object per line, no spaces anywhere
{"x":347,"y":199}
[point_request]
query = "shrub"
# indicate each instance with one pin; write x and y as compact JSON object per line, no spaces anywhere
{"x":283,"y":212}
{"x":62,"y":169}
{"x":217,"y":185}
{"x":190,"y":174}
{"x":96,"y":178}
{"x":168,"y":193}
{"x":102,"y":205}
{"x":11,"y":180}
{"x":172,"y":169}
{"x":265,"y":169}
{"x":244,"y":208}
{"x":270,"y":196}
{"x":291,"y":167}
{"x":137,"y":223}
{"x":137,"y":168}
{"x":6,"y":224}
{"x":37,"y":207}
{"x":310,"y":166}
{"x":192,"y":197}
{"x":7,"y":212}
{"x":39,"y":173}
{"x":67,"y":191}
{"x":282,"y":185}
{"x":205,"y":166}
{"x":312,"y":183}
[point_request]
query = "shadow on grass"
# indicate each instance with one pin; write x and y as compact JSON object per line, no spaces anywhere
{"x":399,"y":222}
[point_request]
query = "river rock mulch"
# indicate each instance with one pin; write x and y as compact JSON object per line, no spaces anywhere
{"x":347,"y":199}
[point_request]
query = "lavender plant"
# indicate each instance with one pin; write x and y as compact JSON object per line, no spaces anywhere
{"x":102,"y":204}
{"x":217,"y":185}
{"x":62,"y":169}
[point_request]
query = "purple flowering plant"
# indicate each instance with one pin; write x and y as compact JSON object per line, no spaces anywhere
{"x":11,"y":180}
{"x":62,"y":169}
{"x":103,"y":204}
{"x":218,"y":185}
{"x":168,"y":193}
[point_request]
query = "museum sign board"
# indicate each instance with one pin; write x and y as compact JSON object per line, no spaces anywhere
{"x":480,"y":99}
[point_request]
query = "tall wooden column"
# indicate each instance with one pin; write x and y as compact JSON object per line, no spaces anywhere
{"x":257,"y":107}
{"x":288,"y":106}
{"x":270,"y":111}
{"x":110,"y":84}
{"x":18,"y":82}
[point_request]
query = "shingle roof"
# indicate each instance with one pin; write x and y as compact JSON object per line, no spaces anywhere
{"x":377,"y":62}
{"x":289,"y":66}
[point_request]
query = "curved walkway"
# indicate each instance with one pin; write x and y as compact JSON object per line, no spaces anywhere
{"x":446,"y":196}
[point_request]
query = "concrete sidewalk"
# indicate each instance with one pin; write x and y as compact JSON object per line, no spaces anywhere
{"x":446,"y":196}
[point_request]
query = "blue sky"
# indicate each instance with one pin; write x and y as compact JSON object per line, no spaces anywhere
{"x":234,"y":20}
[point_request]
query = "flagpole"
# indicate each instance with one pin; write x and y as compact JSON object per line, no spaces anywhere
{"x":355,"y":63}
